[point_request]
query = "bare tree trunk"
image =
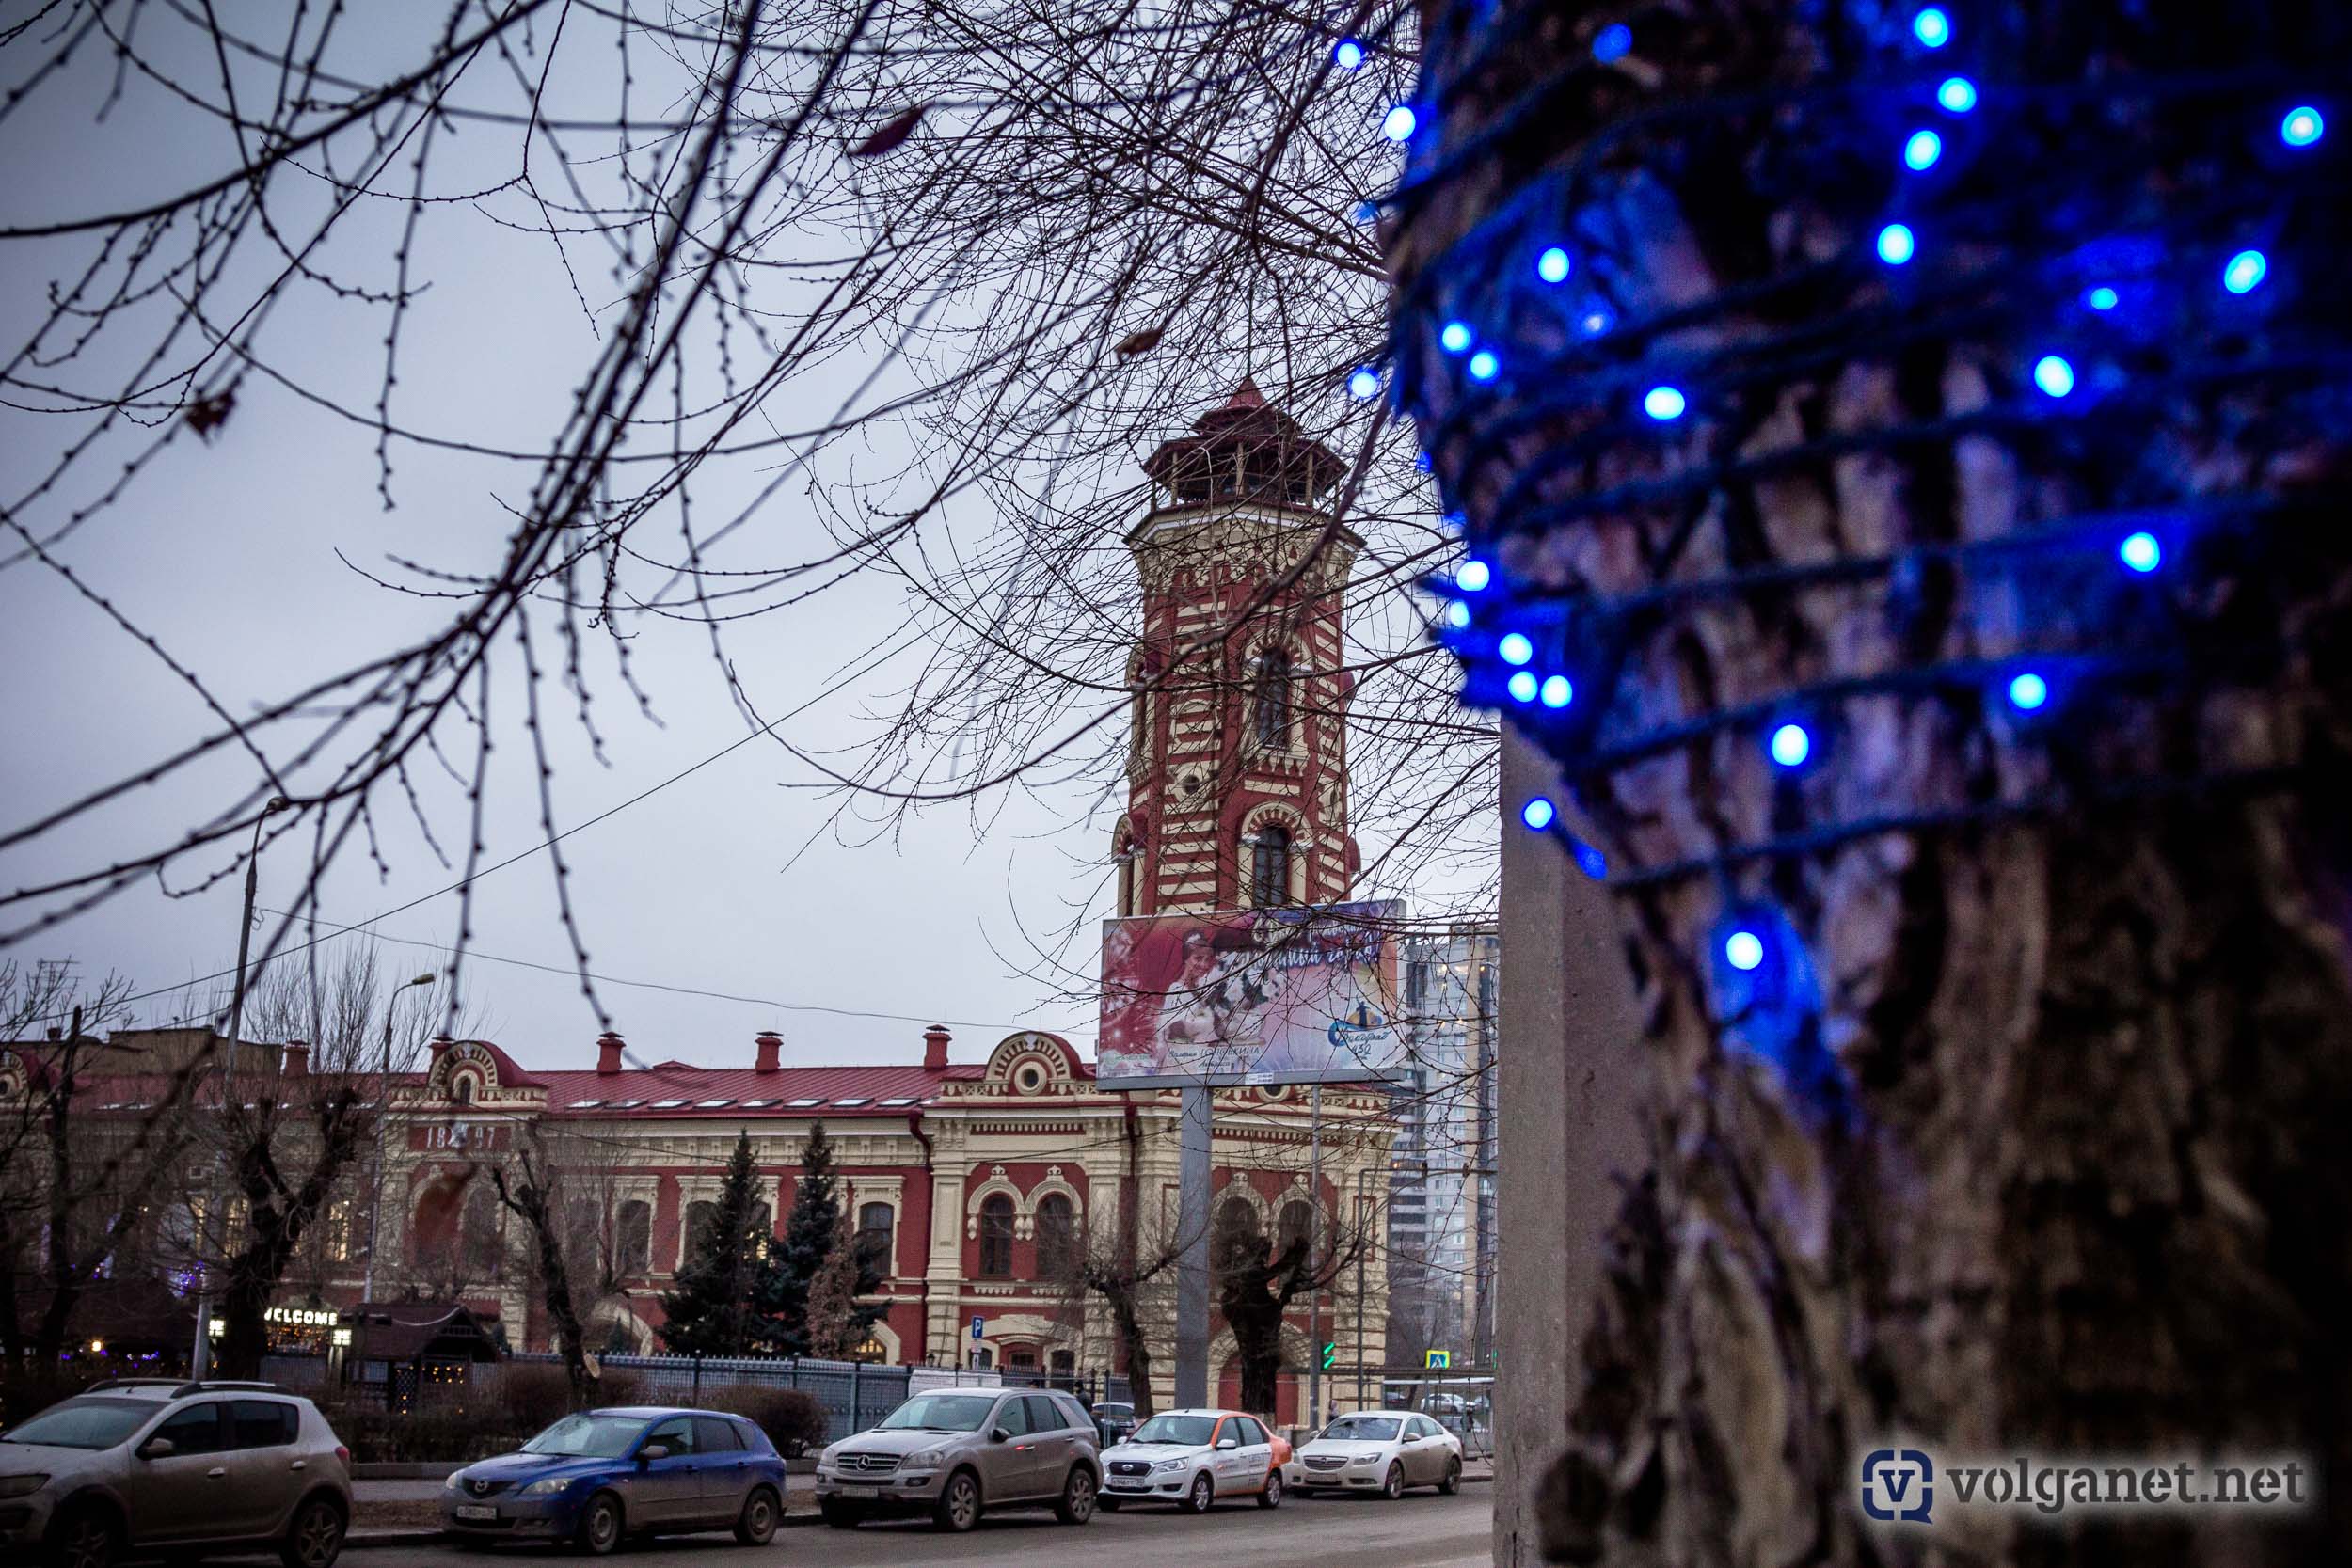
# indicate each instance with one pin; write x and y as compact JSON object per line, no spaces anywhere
{"x":2038,"y":1153}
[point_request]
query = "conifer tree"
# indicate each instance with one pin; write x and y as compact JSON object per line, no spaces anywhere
{"x":710,"y":1310}
{"x":809,"y":1236}
{"x":837,"y":1326}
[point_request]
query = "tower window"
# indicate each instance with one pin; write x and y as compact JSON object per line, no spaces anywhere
{"x":1270,"y":867}
{"x":1274,"y":698}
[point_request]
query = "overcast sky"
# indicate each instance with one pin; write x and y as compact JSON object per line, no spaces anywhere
{"x":243,"y":556}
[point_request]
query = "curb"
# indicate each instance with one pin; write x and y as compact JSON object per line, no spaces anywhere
{"x":370,"y":1540}
{"x":375,"y":1469}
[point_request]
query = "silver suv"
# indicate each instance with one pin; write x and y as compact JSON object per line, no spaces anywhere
{"x":956,"y":1452}
{"x":147,"y":1462}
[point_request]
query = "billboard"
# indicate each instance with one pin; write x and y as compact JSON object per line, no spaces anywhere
{"x":1250,"y":996}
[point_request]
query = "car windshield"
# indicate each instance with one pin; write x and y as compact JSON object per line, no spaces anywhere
{"x":941,"y":1413}
{"x":1191,"y":1431}
{"x":84,"y":1423}
{"x":1361,"y":1428}
{"x":589,"y":1436}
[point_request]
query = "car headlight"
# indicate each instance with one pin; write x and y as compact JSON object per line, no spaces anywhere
{"x":1365,"y":1459}
{"x":17,"y":1486}
{"x":929,"y":1458}
{"x":453,"y":1483}
{"x":544,"y":1488}
{"x":1170,"y":1464}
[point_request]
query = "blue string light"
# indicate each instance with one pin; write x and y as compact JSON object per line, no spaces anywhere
{"x":1457,"y":615}
{"x":2101,"y":298}
{"x":1539,"y":814}
{"x":1398,"y":123}
{"x":1931,"y":27}
{"x":2243,"y":273}
{"x":1522,"y":686}
{"x":1484,"y":366}
{"x":1791,"y":744}
{"x":2054,"y":376}
{"x":1553,"y":266}
{"x":1596,"y":320}
{"x":2140,"y":551}
{"x":1921,"y":151}
{"x":1455,"y":337}
{"x":1364,"y":382}
{"x":2028,"y":691}
{"x":1957,"y":95}
{"x":1558,"y":691}
{"x":1473,"y":577}
{"x":1514,"y":648}
{"x":1591,"y":861}
{"x":1744,"y":950}
{"x":1896,"y":245}
{"x":1347,"y":53}
{"x":2302,"y":126}
{"x":1665,"y":403}
{"x":1612,"y":42}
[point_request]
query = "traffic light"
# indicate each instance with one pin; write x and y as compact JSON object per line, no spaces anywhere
{"x":1330,"y":1353}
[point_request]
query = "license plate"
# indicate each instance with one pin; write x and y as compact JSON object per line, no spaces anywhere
{"x":860,"y":1491}
{"x":476,"y":1511}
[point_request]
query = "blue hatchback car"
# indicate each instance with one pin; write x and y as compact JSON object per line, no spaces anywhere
{"x":603,"y":1475}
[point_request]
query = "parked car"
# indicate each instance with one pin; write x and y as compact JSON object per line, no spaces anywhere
{"x":1114,"y":1421}
{"x":957,"y":1452}
{"x":177,"y":1466}
{"x":1193,"y":1457}
{"x":1380,"y":1451}
{"x":599,"y":1477}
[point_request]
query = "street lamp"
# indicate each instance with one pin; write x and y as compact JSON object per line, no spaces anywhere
{"x":199,"y":1355}
{"x":1364,"y":1231}
{"x":383,"y":1092}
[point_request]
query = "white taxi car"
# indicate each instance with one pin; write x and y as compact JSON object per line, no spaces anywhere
{"x":1383,"y":1452}
{"x":1191,"y":1458}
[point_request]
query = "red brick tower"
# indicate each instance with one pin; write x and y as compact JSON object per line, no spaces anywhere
{"x":1237,"y":760}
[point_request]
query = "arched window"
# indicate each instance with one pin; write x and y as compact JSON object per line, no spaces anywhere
{"x":481,"y":1233}
{"x":1057,"y":1237}
{"x":636,"y":1237}
{"x":1128,"y":854}
{"x":582,"y":1227}
{"x":1270,"y":867}
{"x":1296,"y":1225}
{"x":996,"y":1237}
{"x":1274,"y":698}
{"x":1235,"y":1240}
{"x":875,"y":1222}
{"x":461,"y":1088}
{"x":700,"y":1217}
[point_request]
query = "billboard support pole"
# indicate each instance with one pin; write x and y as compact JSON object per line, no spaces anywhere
{"x":1314,"y":1293}
{"x":1192,"y":1268}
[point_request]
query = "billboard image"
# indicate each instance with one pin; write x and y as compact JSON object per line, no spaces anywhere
{"x":1258,"y":996}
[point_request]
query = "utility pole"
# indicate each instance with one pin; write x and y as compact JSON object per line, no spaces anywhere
{"x":383,"y":1094}
{"x":201,"y":1354}
{"x":1314,"y":1285}
{"x":1483,"y":1227}
{"x":1192,"y":1265}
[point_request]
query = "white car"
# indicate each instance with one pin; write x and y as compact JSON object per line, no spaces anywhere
{"x":1191,"y":1458}
{"x":1383,"y":1452}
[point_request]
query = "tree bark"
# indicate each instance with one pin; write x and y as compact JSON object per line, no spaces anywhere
{"x":2050,"y":1165}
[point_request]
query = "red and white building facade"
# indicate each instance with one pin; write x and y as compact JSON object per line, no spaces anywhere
{"x":971,"y":1176}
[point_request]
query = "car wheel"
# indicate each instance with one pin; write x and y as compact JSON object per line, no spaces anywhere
{"x":1393,"y":1484}
{"x":756,"y":1525}
{"x":1204,"y":1492}
{"x":1272,"y":1496}
{"x":315,"y":1537}
{"x":1453,"y":1482}
{"x":601,"y":1526}
{"x":86,"y":1539}
{"x":958,"y":1505}
{"x":839,"y":1515}
{"x":1076,"y":1505}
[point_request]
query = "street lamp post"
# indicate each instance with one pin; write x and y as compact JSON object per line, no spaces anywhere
{"x":1363,"y":1224}
{"x":383,"y":1093}
{"x":199,"y":1355}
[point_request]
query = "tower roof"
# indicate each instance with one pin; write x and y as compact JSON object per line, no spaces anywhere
{"x":1245,"y":448}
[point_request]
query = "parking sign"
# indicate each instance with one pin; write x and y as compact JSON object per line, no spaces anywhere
{"x":979,"y":1323}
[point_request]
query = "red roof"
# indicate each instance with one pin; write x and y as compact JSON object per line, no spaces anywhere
{"x":909,"y":1084}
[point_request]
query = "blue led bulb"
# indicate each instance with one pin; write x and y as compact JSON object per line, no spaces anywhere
{"x":1454,"y":337}
{"x":1956,"y":95}
{"x":1364,"y":382}
{"x":1931,"y":27}
{"x":1896,"y":245}
{"x":1473,"y":577}
{"x":1612,"y":42}
{"x":1744,"y":950}
{"x":1398,"y":123}
{"x":2302,"y":126}
{"x":2243,"y":273}
{"x":1484,"y":365}
{"x":1347,"y":53}
{"x":1539,"y":814}
{"x":1665,"y":403}
{"x":1457,"y":616}
{"x":2028,"y":691}
{"x":2101,"y":297}
{"x":1522,"y":686}
{"x":1553,"y":266}
{"x":1514,"y":648}
{"x":1791,"y":744}
{"x":1922,"y":149}
{"x":1558,"y":691}
{"x":2054,"y":376}
{"x":2140,"y":551}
